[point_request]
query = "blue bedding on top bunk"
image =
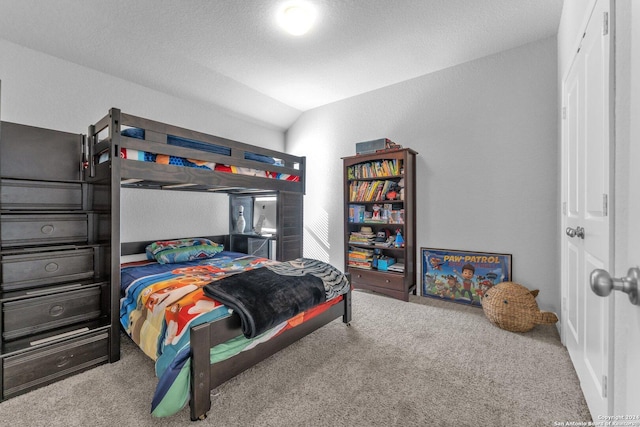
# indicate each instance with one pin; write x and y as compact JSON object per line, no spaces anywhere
{"x":201,"y":146}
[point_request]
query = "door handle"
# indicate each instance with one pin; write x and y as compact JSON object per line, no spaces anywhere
{"x":602,"y":283}
{"x":573,"y":232}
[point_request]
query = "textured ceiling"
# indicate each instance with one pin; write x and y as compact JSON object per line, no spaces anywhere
{"x":231,"y":53}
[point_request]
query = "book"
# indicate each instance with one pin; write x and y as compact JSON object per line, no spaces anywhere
{"x":356,"y":213}
{"x":377,"y":169}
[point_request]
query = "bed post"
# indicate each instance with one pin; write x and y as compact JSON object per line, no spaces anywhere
{"x":346,"y":317}
{"x":113,"y":213}
{"x":200,"y":401}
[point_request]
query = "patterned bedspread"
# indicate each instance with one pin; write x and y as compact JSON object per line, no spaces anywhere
{"x":145,"y":156}
{"x":160,"y":302}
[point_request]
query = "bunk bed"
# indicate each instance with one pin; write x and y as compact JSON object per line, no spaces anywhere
{"x":123,"y":150}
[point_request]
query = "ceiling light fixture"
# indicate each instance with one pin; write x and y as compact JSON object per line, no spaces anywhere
{"x":296,"y":17}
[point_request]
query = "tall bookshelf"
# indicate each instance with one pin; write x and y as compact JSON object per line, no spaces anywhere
{"x":379,"y":204}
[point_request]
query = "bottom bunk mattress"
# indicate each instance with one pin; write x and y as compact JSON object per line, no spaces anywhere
{"x":161,"y":302}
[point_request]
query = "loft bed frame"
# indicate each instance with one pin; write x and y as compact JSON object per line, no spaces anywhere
{"x":133,"y":173}
{"x":109,"y":176}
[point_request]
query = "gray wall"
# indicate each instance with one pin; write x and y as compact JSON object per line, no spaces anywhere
{"x":487,"y":134}
{"x":40,"y":90}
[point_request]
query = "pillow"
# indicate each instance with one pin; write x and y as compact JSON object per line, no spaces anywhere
{"x":182,"y":250}
{"x":133,"y":133}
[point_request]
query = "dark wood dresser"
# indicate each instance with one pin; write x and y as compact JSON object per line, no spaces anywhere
{"x":55,"y":296}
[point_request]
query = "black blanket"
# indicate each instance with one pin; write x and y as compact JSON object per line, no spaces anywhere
{"x":263,"y":298}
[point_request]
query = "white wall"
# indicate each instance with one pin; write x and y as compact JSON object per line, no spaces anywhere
{"x":44,"y":91}
{"x":487,"y":136}
{"x":575,"y":15}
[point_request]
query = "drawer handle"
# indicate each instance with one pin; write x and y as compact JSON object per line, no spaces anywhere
{"x":47,"y":229}
{"x":63,"y":361}
{"x":51,"y":267}
{"x":387,"y":280}
{"x":56,"y":310}
{"x":359,"y":276}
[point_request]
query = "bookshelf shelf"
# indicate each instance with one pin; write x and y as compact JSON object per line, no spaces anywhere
{"x":380,"y":185}
{"x":373,"y":178}
{"x":400,"y":202}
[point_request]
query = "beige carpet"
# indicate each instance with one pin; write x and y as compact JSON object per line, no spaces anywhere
{"x":423,"y":363}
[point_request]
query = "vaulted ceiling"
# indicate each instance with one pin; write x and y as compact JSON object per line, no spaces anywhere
{"x":231,"y":53}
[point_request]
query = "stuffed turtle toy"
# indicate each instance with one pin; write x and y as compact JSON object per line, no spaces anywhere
{"x":513,"y":307}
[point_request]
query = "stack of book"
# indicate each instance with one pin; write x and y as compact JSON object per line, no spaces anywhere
{"x":362,"y":237}
{"x":360,"y":258}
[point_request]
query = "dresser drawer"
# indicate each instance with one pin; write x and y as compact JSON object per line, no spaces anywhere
{"x":39,"y":195}
{"x":376,"y":279}
{"x":32,"y":270}
{"x":46,"y":229}
{"x":34,"y":315}
{"x":42,"y":366}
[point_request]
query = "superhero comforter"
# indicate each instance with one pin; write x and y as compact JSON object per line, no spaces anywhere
{"x":161,"y":302}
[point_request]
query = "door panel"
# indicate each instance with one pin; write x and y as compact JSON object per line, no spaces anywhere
{"x":596,"y":155}
{"x":572,"y":305}
{"x":572,"y":129}
{"x":595,"y":337}
{"x":586,"y":186}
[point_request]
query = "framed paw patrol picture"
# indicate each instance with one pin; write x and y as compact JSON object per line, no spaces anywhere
{"x":462,"y":276}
